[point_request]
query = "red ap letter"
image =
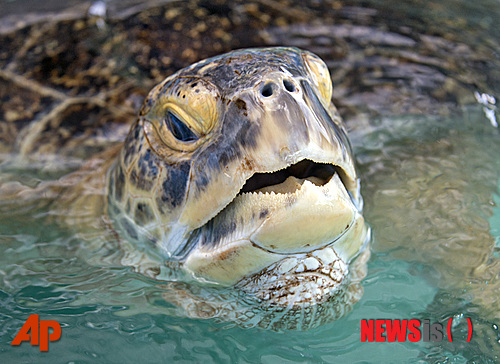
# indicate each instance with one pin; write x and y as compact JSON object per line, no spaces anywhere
{"x":22,"y":335}
{"x":44,"y":333}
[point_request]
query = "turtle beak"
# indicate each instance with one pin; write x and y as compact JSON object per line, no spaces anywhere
{"x":292,"y":192}
{"x":265,"y":145}
{"x":314,"y":162}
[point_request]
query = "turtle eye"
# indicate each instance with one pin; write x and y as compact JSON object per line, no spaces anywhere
{"x":178,"y":129}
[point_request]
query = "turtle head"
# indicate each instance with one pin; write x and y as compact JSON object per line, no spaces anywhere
{"x":240,"y":169}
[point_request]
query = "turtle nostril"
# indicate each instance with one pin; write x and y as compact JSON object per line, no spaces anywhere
{"x":267,"y":90}
{"x":289,"y":86}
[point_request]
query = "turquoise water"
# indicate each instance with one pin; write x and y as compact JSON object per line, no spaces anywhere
{"x":110,"y":314}
{"x":94,"y":331}
{"x":430,"y":172}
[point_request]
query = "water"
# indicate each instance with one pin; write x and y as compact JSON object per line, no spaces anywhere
{"x":94,"y":330}
{"x":427,"y":151}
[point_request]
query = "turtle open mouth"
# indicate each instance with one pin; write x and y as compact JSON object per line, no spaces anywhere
{"x":291,"y":178}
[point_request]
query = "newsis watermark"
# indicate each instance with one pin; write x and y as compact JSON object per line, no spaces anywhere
{"x":413,"y":330}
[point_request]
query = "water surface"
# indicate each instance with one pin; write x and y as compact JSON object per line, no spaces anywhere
{"x":410,"y":79}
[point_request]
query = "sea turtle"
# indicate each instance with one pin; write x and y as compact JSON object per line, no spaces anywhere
{"x":75,"y":95}
{"x":237,"y":173}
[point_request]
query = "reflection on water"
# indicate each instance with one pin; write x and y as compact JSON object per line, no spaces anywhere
{"x":430,"y":201}
{"x":422,"y":113}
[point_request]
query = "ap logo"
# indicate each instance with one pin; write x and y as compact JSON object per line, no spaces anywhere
{"x":39,"y":332}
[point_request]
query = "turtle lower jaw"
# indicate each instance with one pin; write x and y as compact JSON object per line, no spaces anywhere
{"x":261,"y":230}
{"x":236,"y":259}
{"x":298,"y":215}
{"x":298,"y":281}
{"x":294,"y":212}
